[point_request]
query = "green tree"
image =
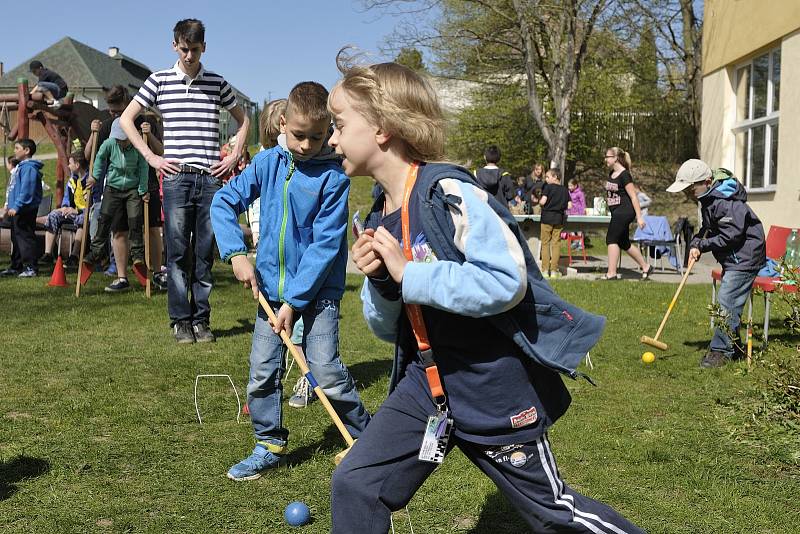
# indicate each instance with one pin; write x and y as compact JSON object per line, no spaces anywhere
{"x":544,"y":43}
{"x":645,"y":93}
{"x":411,"y":58}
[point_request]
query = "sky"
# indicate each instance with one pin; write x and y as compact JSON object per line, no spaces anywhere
{"x":262,"y":47}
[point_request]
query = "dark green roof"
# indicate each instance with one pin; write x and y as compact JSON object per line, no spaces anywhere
{"x":82,"y":67}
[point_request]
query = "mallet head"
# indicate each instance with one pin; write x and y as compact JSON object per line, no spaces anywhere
{"x":660,"y":345}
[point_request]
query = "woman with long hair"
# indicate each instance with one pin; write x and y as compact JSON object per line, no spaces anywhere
{"x":624,"y":206}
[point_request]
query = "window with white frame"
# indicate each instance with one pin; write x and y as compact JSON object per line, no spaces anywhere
{"x":758,"y":87}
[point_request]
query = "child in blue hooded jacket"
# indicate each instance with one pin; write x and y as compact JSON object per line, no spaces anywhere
{"x":733,"y":233}
{"x":24,"y":197}
{"x":301,"y":269}
{"x":479,"y":335}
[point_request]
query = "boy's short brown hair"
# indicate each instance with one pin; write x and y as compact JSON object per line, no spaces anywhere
{"x":555,"y":172}
{"x":80,"y":158}
{"x":190,"y":31}
{"x":309,"y":99}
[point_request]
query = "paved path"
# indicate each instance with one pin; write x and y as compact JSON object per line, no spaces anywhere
{"x":596,"y":267}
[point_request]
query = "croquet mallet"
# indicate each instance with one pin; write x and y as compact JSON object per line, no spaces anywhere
{"x":653,"y":341}
{"x":146,"y":235}
{"x":85,"y":238}
{"x":301,"y":363}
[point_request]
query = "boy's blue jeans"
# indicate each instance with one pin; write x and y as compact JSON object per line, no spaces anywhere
{"x":190,"y":245}
{"x":732,"y":296}
{"x":267,"y":365}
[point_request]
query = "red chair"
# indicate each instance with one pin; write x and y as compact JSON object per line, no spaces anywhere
{"x":578,"y":237}
{"x":776,"y":248}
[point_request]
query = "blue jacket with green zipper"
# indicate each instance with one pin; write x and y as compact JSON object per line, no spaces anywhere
{"x":302,"y":248}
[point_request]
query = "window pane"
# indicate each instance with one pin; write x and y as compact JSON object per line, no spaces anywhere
{"x":776,"y":79}
{"x":743,"y":93}
{"x":757,"y":156}
{"x":741,"y":155}
{"x":760,"y":76}
{"x":773,"y":157}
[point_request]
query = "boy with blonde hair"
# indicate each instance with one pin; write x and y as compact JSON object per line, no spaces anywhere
{"x":451,"y":282}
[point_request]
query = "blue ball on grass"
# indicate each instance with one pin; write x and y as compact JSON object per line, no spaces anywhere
{"x":297,"y":514}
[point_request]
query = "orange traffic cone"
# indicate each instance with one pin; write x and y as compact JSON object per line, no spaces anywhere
{"x":59,"y":277}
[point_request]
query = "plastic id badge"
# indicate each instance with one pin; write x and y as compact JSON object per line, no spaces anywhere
{"x":358,"y":226}
{"x":434,"y":441}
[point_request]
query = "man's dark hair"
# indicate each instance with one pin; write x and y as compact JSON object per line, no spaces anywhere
{"x":13,"y":161}
{"x":117,"y":94}
{"x":29,"y":144}
{"x":309,"y":99}
{"x":492,"y":154}
{"x":36,"y":64}
{"x":190,"y":31}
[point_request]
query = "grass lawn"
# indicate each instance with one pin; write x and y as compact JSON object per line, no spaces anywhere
{"x":98,"y":431}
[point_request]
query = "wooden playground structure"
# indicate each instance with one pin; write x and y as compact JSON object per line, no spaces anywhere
{"x":63,"y":125}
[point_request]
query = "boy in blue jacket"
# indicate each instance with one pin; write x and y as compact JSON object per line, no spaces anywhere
{"x":301,"y":269}
{"x":733,"y":233}
{"x":23,"y":203}
{"x":479,"y":335}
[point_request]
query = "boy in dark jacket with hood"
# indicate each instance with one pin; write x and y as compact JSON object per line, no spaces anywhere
{"x":732,"y":232}
{"x":24,"y":198}
{"x":496,"y":181}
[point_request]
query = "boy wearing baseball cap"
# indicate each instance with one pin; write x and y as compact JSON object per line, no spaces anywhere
{"x":125,"y":189}
{"x":732,"y":232}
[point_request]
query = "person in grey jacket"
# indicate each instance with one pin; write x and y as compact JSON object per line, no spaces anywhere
{"x":733,"y":233}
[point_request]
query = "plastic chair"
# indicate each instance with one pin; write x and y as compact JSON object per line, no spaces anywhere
{"x":776,"y":248}
{"x":675,"y":245}
{"x":578,"y":238}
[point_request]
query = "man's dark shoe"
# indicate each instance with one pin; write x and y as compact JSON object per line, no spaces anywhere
{"x":182,"y":330}
{"x":46,"y":259}
{"x":714,"y":359}
{"x":10,"y":272}
{"x":72,"y":262}
{"x":202,"y":334}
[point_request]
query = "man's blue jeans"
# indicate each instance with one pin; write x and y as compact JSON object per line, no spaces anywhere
{"x":732,"y":296}
{"x":190,"y":245}
{"x":321,"y":345}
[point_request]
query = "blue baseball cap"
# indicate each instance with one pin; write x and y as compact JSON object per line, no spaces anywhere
{"x":117,"y":132}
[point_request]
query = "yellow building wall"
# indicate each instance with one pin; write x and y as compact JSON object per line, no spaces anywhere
{"x":733,"y":29}
{"x":781,"y":207}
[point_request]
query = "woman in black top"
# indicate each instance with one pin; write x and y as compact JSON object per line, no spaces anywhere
{"x":624,"y":206}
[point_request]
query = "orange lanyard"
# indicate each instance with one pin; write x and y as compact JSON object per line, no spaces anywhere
{"x":413,"y":311}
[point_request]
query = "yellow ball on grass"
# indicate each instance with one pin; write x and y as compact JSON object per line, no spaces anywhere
{"x":648,"y":357}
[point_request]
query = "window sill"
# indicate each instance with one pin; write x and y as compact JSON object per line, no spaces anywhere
{"x":762,"y":190}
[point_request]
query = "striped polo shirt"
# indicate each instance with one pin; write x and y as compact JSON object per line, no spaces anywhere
{"x":190,"y":111}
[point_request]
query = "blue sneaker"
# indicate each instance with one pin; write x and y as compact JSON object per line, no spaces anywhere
{"x":255,"y":465}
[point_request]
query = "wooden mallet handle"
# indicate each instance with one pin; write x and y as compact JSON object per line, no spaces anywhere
{"x":85,"y":238}
{"x":301,"y":363}
{"x":146,"y":232}
{"x":654,"y":341}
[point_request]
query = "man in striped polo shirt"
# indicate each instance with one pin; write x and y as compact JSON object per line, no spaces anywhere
{"x":189,"y":99}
